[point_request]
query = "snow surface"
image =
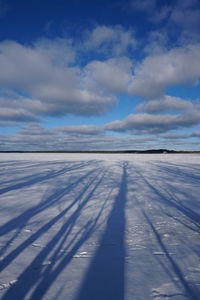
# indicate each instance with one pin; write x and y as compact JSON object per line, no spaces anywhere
{"x":99,"y":226}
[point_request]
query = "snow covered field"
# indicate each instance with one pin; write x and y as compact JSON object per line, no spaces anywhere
{"x":99,"y":227}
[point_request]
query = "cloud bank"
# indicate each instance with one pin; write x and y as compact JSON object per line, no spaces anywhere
{"x":88,"y":77}
{"x":153,"y":124}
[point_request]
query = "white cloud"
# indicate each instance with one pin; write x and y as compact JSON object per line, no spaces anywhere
{"x":8,"y":123}
{"x":112,"y":75}
{"x":153,"y":124}
{"x":17,"y":115}
{"x":151,"y":77}
{"x":33,"y":129}
{"x":195,"y":134}
{"x":13,"y":112}
{"x":86,"y":137}
{"x":82,"y":129}
{"x":35,"y":137}
{"x":167,"y":104}
{"x":157,"y":43}
{"x":157,"y":72}
{"x":176,"y":136}
{"x":110,"y":40}
{"x":44,"y":73}
{"x":44,"y":79}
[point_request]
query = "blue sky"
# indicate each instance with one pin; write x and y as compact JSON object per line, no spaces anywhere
{"x":84,"y":75}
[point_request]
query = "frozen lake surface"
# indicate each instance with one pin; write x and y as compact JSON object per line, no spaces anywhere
{"x":99,"y":226}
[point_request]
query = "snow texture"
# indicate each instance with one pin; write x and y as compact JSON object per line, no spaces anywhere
{"x":99,"y":227}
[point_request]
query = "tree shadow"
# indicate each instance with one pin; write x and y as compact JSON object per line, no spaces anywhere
{"x":18,"y":223}
{"x":105,"y":276}
{"x":38,"y":178}
{"x":166,"y":194}
{"x":189,"y":291}
{"x":23,"y":167}
{"x":184,"y":172}
{"x":47,"y":226}
{"x":161,"y":201}
{"x":23,"y":218}
{"x":59,"y":250}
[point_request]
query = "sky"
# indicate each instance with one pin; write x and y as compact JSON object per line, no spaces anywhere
{"x":99,"y":75}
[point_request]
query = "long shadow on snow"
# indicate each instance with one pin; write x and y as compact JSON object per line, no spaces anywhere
{"x":190,"y":293}
{"x":172,"y":265}
{"x":23,"y":218}
{"x":20,"y":222}
{"x":43,"y":229}
{"x":188,"y":174}
{"x":37,"y":178}
{"x":36,"y":273}
{"x":168,"y":197}
{"x":105,"y":276}
{"x":24,"y":167}
{"x":184,"y":172}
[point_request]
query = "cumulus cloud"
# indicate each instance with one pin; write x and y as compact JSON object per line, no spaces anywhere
{"x":19,"y":115}
{"x":32,"y":137}
{"x":12,"y":112}
{"x":157,"y":72}
{"x":167,"y":104}
{"x":112,"y":75}
{"x":45,"y":79}
{"x":82,"y":129}
{"x":33,"y":129}
{"x":8,"y":123}
{"x":110,"y":40}
{"x":183,"y":136}
{"x":149,"y":78}
{"x":88,"y":137}
{"x":44,"y":73}
{"x":35,"y":137}
{"x":176,"y":136}
{"x":157,"y":42}
{"x":153,"y":124}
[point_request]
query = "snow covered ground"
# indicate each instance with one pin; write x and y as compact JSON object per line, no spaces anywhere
{"x":99,"y":227}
